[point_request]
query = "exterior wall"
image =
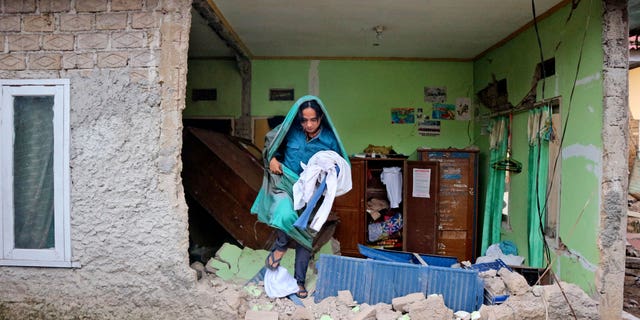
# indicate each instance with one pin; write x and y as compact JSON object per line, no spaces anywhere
{"x":126,"y":61}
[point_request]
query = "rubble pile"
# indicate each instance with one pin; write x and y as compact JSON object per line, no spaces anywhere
{"x":242,"y":300}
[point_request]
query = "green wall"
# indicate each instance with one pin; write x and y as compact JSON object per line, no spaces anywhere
{"x":581,"y":112}
{"x":219,"y":74}
{"x":358,"y":95}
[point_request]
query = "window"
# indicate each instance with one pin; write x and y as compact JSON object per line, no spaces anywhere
{"x":34,"y":173}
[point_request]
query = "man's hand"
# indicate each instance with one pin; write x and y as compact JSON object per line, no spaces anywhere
{"x":275,"y":166}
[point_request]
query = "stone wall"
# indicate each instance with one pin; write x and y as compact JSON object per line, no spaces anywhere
{"x":127,"y":63}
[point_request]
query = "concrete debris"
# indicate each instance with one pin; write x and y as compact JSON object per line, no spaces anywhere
{"x":431,"y":308}
{"x":241,"y":300}
{"x":400,"y":303}
{"x":345,"y":297}
{"x":515,"y":282}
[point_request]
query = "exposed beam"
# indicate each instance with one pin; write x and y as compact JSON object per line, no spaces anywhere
{"x":216,"y":21}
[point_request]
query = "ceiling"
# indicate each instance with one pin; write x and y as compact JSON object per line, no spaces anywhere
{"x":412,"y":29}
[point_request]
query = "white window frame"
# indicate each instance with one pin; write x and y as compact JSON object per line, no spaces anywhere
{"x":60,"y":255}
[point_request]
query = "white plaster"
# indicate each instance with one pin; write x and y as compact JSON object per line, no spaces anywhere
{"x":588,"y":79}
{"x":314,"y":78}
{"x":589,"y":153}
{"x":583,"y":261}
{"x":590,"y":108}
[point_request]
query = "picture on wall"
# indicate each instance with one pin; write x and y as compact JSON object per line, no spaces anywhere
{"x":435,"y":94}
{"x":444,"y":111}
{"x":402,"y":115}
{"x":463,"y":109}
{"x":281,"y":95}
{"x":429,"y":128}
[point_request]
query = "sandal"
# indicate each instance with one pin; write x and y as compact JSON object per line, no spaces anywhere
{"x":271,"y":262}
{"x":302,"y":293}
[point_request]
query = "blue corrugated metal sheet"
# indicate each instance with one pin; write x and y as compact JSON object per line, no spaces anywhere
{"x":407,"y":257}
{"x":372,"y":281}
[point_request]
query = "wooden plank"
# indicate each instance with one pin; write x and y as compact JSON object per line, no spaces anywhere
{"x":225,"y":193}
{"x":632,"y":263}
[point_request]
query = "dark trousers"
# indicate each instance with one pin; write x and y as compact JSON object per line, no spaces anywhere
{"x":303,"y":256}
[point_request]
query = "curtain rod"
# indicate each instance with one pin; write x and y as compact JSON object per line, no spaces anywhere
{"x":519,"y":109}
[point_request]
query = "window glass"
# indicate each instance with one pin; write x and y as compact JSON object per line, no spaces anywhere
{"x":33,"y":196}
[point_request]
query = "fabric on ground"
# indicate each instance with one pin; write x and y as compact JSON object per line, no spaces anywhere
{"x":279,"y":283}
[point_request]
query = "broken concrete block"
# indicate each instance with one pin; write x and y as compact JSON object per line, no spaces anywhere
{"x":431,"y":308}
{"x":260,"y":315}
{"x":400,"y":303}
{"x":384,"y":312}
{"x":366,"y":312}
{"x":495,"y":285}
{"x":583,"y":306}
{"x":230,"y":254}
{"x":301,"y":313}
{"x":514,"y":281}
{"x":221,"y":269}
{"x":345,"y":297}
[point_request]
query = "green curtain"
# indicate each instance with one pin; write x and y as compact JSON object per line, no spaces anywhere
{"x":494,"y":200}
{"x":33,"y":189}
{"x":539,"y":132}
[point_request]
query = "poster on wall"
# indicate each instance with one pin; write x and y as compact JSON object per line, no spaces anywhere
{"x":443,"y":111}
{"x":463,"y":109}
{"x":429,"y":127}
{"x":435,"y":94}
{"x":402,"y":115}
{"x":421,"y":182}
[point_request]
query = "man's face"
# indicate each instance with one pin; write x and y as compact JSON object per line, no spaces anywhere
{"x":310,"y":122}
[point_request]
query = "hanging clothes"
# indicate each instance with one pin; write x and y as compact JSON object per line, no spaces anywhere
{"x":391,"y":177}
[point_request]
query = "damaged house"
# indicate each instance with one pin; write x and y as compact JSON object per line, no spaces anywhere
{"x":524,"y":127}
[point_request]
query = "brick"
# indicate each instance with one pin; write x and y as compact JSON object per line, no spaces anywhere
{"x":91,"y":5}
{"x":92,"y":41}
{"x":111,"y":21}
{"x":153,"y":39}
{"x":54,"y":5}
{"x":151,"y":4}
{"x":44,"y":61}
{"x":24,"y":42}
{"x":121,"y":5}
{"x":76,"y":22}
{"x":78,"y":60}
{"x":144,"y":20}
{"x":10,"y":23}
{"x":132,"y":39}
{"x":38,"y":23}
{"x":58,"y":42}
{"x":20,"y":6}
{"x":145,"y":58}
{"x":114,"y":59}
{"x":12,"y":61}
{"x":143,"y":75}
